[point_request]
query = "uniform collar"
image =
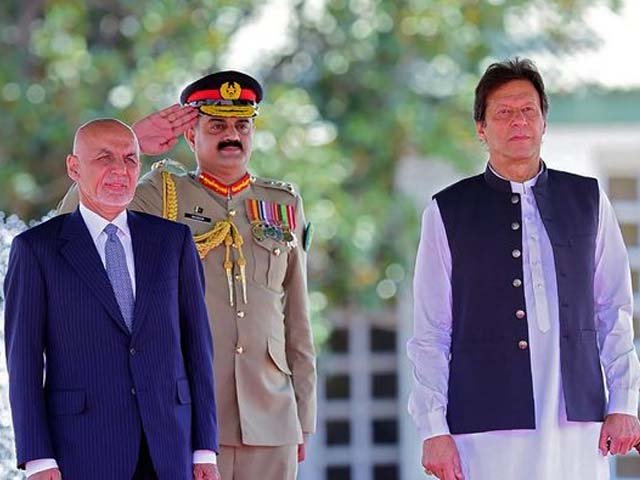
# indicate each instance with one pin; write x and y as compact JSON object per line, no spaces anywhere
{"x":500,"y":183}
{"x":220,"y":188}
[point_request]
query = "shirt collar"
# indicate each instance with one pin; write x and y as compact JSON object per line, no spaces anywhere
{"x":497,"y":181}
{"x":95,"y":223}
{"x":220,"y":188}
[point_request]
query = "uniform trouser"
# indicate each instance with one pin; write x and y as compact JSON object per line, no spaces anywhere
{"x":247,"y":462}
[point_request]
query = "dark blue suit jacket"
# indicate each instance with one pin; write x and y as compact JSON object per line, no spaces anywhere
{"x":103,"y":386}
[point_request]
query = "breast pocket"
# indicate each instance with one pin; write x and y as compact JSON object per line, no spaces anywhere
{"x":166,"y":285}
{"x":586,"y":238}
{"x":269,"y":263}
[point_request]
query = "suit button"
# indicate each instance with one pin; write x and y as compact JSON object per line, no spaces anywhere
{"x":515,"y":226}
{"x":239,"y":349}
{"x":277,"y":252}
{"x":133,"y":391}
{"x":240,"y":314}
{"x":515,"y":199}
{"x":232,"y":213}
{"x":132,"y":351}
{"x":520,"y":314}
{"x":516,"y":253}
{"x":523,"y":345}
{"x":516,"y":282}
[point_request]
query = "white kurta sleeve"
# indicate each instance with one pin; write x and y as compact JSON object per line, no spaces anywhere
{"x":428,"y":349}
{"x":613,"y":302}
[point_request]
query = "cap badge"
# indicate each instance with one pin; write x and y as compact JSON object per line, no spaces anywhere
{"x":230,"y":90}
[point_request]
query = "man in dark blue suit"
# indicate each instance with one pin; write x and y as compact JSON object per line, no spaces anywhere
{"x":109,"y":351}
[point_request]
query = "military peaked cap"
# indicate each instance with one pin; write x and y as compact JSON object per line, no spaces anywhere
{"x":224,"y":94}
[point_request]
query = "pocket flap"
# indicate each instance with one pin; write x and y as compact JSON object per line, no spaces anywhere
{"x":268,"y":244}
{"x":278,"y":355}
{"x":165,"y":284}
{"x":581,"y":238}
{"x":66,"y":402}
{"x":184,"y":393}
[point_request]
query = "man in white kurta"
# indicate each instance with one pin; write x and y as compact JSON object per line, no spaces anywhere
{"x":556,"y":448}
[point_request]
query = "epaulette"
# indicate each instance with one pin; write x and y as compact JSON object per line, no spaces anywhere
{"x":277,"y":184}
{"x":171,"y":166}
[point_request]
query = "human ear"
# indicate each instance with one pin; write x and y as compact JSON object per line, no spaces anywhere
{"x":190,"y":137}
{"x":72,"y":167}
{"x":480,"y":130}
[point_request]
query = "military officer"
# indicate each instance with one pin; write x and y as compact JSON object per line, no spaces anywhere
{"x":252,"y":238}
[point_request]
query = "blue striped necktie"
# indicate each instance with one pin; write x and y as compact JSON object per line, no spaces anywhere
{"x":118,"y":273}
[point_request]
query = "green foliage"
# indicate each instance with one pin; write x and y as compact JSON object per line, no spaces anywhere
{"x":362,"y":85}
{"x":390,"y":79}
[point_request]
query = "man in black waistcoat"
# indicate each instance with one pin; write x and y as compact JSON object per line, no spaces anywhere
{"x":522,"y":300}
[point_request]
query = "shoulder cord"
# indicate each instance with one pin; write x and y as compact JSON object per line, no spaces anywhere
{"x":223,"y":231}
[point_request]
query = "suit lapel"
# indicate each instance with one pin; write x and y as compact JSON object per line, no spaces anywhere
{"x":77,"y":247}
{"x":146,"y":255}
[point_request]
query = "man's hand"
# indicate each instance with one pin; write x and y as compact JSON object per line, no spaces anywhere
{"x":302,"y":453}
{"x":206,"y":471}
{"x":159,"y":132}
{"x":440,"y":458}
{"x":619,"y":434}
{"x":50,"y":474}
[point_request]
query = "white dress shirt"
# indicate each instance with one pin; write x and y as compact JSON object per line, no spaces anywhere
{"x":95,"y":224}
{"x":557,"y":448}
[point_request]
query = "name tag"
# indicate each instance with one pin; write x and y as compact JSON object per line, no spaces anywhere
{"x":198,"y":218}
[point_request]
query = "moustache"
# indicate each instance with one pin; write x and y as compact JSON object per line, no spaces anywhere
{"x":229,"y":143}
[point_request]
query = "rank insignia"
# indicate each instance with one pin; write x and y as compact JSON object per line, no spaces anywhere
{"x":271,"y":220}
{"x":230,"y":90}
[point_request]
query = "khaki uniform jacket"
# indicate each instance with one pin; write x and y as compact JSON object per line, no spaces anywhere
{"x":265,"y":376}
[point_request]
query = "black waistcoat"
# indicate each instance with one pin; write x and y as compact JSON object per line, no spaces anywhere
{"x":490,"y":384}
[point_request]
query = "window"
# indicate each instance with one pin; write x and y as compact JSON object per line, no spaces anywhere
{"x":385,"y":431}
{"x":338,"y":386}
{"x":382,"y":340}
{"x":627,"y":467}
{"x":339,"y":340}
{"x":339,"y":472}
{"x":630,"y":234}
{"x":385,"y":472}
{"x":623,"y":188}
{"x":384,"y":385}
{"x":338,"y":432}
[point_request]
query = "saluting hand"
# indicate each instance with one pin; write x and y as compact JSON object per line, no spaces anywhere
{"x":619,"y":434}
{"x":206,"y":471}
{"x":159,"y":132}
{"x":440,"y":458}
{"x":50,"y":474}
